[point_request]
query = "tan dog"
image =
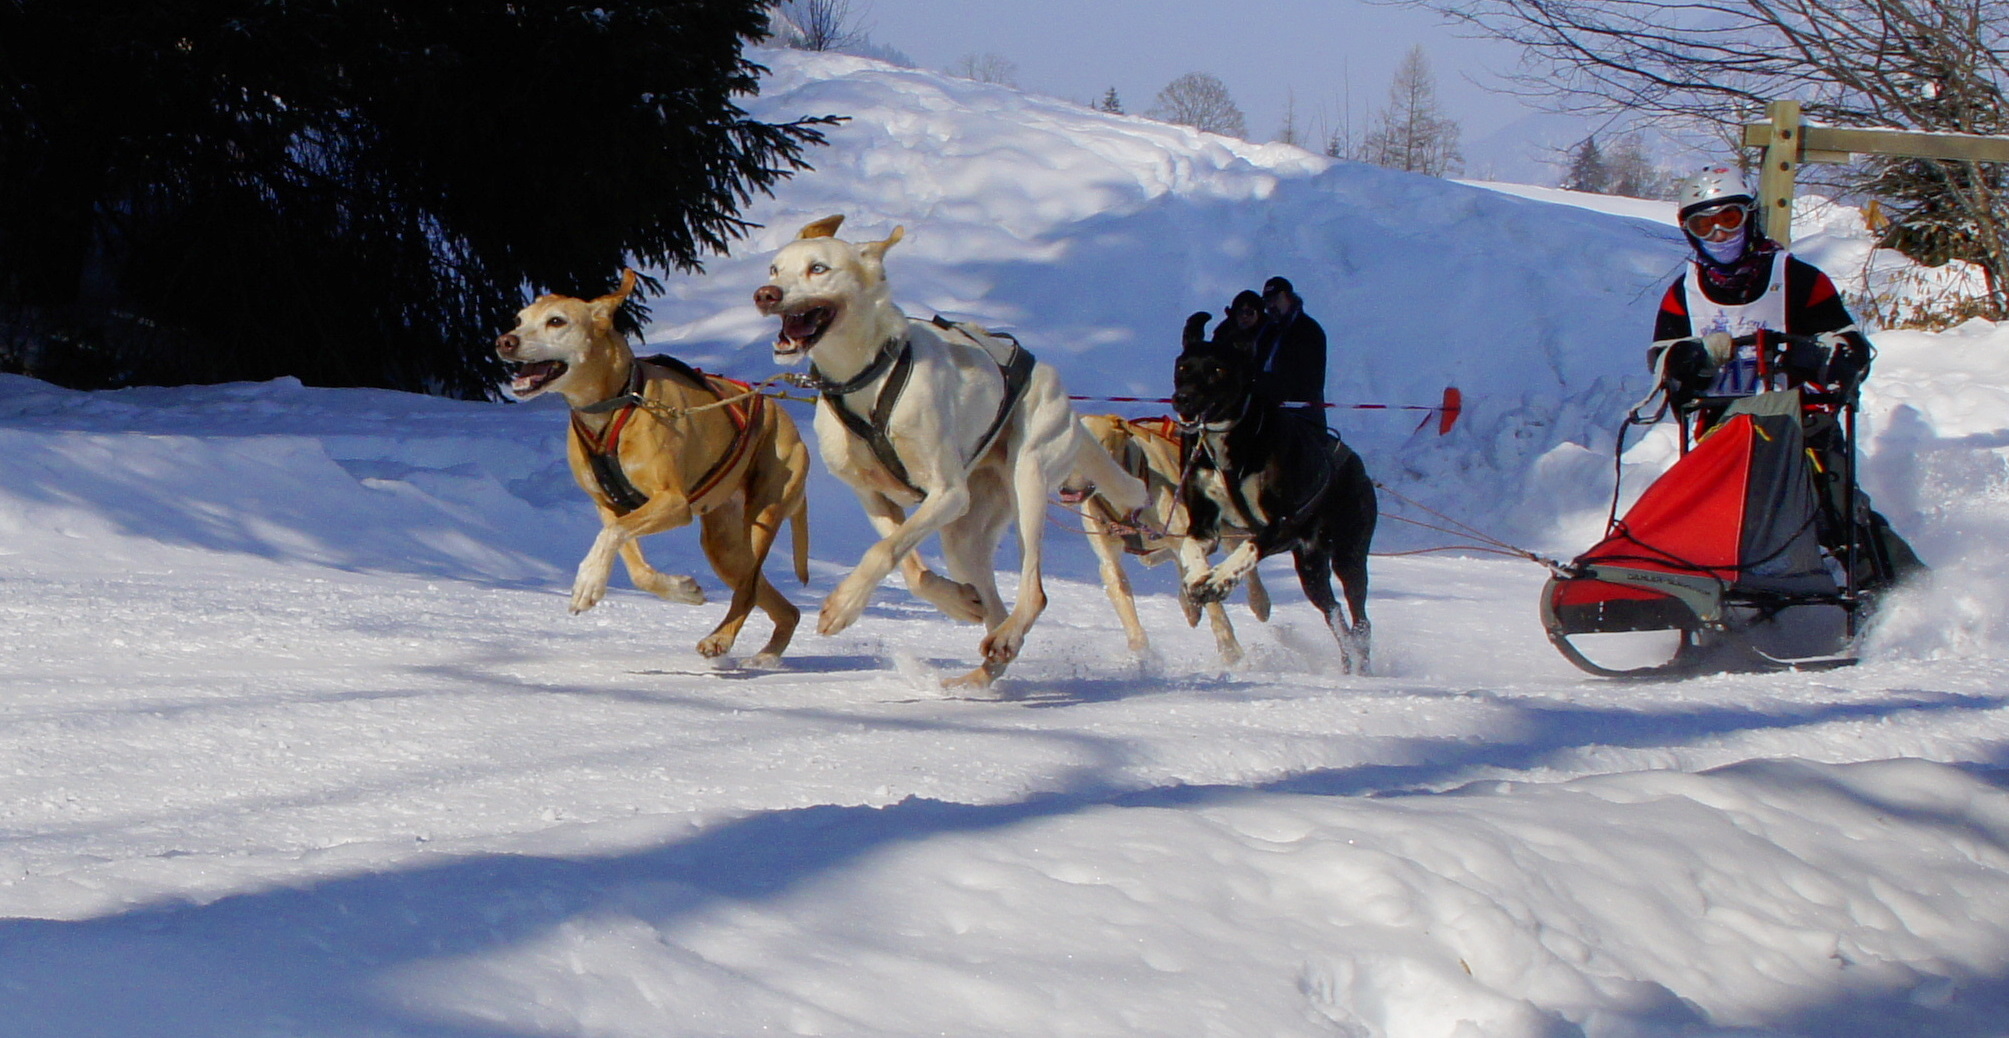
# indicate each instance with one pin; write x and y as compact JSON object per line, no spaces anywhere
{"x":652,"y":444}
{"x":1148,"y":448}
{"x":961,"y":426}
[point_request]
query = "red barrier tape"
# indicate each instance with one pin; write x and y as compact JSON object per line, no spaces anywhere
{"x":1447,"y":412}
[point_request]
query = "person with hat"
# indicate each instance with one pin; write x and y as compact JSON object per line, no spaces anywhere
{"x":1241,"y":322}
{"x":1290,"y":352}
{"x":1738,"y":282}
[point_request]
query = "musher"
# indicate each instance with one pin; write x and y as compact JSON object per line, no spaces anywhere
{"x":1740,"y":282}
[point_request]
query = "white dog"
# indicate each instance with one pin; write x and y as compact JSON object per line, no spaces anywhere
{"x":963,"y":427}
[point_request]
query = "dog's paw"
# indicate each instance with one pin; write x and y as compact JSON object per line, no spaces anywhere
{"x":843,"y":608}
{"x":1207,"y":591}
{"x":680,"y":589}
{"x":1002,"y":646}
{"x":976,"y":681}
{"x":587,"y":593}
{"x":957,"y":601}
{"x":715,"y":645}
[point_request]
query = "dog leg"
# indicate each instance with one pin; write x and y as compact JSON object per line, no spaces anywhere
{"x":958,"y":602}
{"x":589,"y":584}
{"x":1314,"y":574}
{"x":664,"y":511}
{"x":1224,"y":634}
{"x":970,"y":544}
{"x":1352,"y":574}
{"x":1115,"y":582}
{"x":1194,"y":565}
{"x":761,"y":535}
{"x":1086,"y":459}
{"x":1215,"y":585}
{"x":1259,"y":597}
{"x":669,"y":587}
{"x":736,"y":549}
{"x":1032,"y":477}
{"x":847,"y":603}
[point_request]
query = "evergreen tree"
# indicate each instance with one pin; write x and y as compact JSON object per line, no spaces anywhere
{"x":1587,"y":170}
{"x":1412,"y":133}
{"x":1110,"y":103}
{"x":354,"y":192}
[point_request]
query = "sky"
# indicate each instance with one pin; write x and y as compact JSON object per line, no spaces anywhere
{"x":1324,"y":56}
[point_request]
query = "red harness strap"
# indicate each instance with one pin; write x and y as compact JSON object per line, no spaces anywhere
{"x":744,"y":419}
{"x":603,"y":451}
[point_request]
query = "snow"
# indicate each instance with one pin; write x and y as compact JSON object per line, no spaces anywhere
{"x":297,"y":737}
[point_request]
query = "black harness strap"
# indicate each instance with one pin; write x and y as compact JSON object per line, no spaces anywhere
{"x":603,"y":457}
{"x":603,"y":452}
{"x":1017,"y":375}
{"x":898,"y":366}
{"x":873,"y":430}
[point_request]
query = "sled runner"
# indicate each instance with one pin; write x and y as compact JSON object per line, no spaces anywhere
{"x":1720,"y":564}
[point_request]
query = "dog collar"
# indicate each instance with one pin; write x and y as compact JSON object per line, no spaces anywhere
{"x":888,"y":352}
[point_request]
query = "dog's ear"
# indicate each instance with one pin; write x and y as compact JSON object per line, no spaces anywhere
{"x":876,"y":250}
{"x":619,"y":295}
{"x":1196,"y":330}
{"x":604,"y":307}
{"x":824,"y":228}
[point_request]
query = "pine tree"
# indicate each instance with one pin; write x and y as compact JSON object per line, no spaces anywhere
{"x":1587,"y":170}
{"x":354,"y":192}
{"x":1412,"y":134}
{"x":1110,"y":103}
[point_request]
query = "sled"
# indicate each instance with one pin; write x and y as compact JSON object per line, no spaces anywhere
{"x":1717,"y":566}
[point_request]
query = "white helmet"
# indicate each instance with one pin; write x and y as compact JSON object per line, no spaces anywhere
{"x":1717,"y":185}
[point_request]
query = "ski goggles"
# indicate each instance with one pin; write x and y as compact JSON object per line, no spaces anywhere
{"x":1729,"y":217}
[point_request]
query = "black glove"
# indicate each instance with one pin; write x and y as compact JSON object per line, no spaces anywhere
{"x":1806,"y":360}
{"x":1848,"y":356}
{"x":1688,"y":368}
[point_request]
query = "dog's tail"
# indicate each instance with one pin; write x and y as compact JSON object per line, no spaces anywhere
{"x":799,"y":523}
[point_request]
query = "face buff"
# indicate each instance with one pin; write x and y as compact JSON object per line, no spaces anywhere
{"x":1724,"y":252}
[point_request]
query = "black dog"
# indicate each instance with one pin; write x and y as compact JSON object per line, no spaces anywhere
{"x":1282,"y":476}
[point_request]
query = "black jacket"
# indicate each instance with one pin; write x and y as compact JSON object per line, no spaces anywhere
{"x":1290,"y":360}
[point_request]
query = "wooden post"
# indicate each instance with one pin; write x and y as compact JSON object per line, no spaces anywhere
{"x":1781,"y":166}
{"x":1789,"y":142}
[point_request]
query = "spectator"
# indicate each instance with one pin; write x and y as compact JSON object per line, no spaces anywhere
{"x":1290,"y":352}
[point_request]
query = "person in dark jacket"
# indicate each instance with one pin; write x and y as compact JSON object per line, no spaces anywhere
{"x":1739,"y":282}
{"x":1290,"y":352}
{"x":1241,"y":322}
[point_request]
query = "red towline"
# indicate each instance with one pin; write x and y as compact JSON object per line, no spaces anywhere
{"x":1447,"y":412}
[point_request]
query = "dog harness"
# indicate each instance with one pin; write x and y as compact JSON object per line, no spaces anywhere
{"x":1202,"y":454}
{"x":895,"y":360}
{"x":603,"y":451}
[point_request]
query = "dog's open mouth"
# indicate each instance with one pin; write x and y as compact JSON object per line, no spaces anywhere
{"x":801,"y":329}
{"x":533,"y":376}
